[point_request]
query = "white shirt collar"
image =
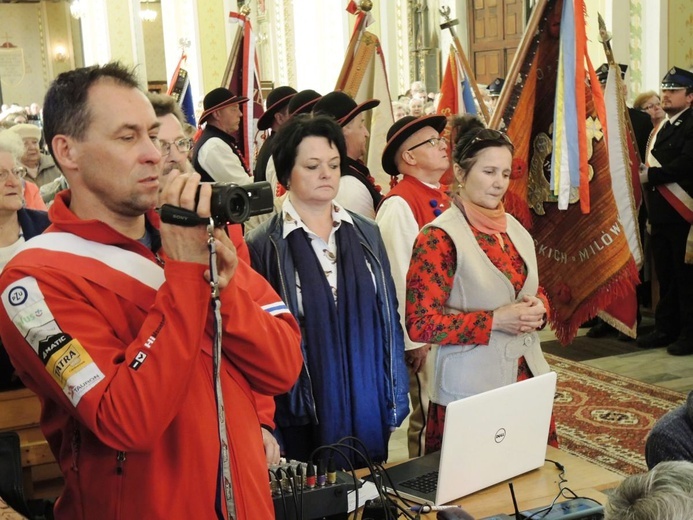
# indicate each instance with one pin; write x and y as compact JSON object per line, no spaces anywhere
{"x":292,"y":220}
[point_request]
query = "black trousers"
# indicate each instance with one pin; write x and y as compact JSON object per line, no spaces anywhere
{"x":674,"y":312}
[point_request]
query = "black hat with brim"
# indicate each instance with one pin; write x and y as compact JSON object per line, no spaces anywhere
{"x":217,"y":99}
{"x":677,"y":79}
{"x":603,"y":71}
{"x":342,"y":107}
{"x":303,"y":102}
{"x":401,"y":130}
{"x":276,"y":101}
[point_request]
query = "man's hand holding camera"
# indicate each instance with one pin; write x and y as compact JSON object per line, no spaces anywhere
{"x":189,"y":244}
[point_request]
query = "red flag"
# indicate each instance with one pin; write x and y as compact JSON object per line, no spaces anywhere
{"x":455,"y":98}
{"x":179,"y":89}
{"x":244,"y":80}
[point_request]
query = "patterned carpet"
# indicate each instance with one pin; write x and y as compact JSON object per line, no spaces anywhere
{"x":605,"y":417}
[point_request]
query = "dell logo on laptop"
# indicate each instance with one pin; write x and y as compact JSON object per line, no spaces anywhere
{"x":500,"y":436}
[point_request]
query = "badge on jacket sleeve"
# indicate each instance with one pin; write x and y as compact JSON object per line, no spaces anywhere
{"x":65,"y":359}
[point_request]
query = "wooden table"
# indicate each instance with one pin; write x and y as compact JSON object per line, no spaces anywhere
{"x":538,"y":488}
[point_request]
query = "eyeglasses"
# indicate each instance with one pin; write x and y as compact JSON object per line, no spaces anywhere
{"x":18,"y":172}
{"x":433,"y":141}
{"x":650,"y":106}
{"x":483,"y":136}
{"x":183,"y":145}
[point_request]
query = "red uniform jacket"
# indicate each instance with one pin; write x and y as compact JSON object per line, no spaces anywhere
{"x":119,"y":351}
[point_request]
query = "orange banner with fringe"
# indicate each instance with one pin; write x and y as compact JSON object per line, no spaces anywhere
{"x":584,"y":259}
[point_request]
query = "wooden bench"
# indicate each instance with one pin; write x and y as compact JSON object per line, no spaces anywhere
{"x":20,"y":411}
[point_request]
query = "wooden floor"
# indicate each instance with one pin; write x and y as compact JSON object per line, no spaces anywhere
{"x":650,"y":366}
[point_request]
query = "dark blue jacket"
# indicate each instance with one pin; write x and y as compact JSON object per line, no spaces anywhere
{"x":32,"y":222}
{"x":270,"y":256}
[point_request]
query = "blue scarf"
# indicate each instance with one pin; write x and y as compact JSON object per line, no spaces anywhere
{"x":344,"y":345}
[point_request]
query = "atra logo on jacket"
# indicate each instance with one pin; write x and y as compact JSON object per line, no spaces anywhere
{"x":64,"y":357}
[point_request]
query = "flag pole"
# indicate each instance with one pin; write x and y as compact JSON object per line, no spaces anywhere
{"x":360,"y":10}
{"x":518,"y":59}
{"x":605,"y":38}
{"x":450,"y":24}
{"x":235,"y":45}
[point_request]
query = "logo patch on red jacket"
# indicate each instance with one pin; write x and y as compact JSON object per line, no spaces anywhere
{"x":65,"y":359}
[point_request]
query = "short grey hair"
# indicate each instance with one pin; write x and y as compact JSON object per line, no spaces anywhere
{"x":664,"y":493}
{"x":11,"y":143}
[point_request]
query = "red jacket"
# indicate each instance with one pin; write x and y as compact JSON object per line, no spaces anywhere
{"x":119,"y":352}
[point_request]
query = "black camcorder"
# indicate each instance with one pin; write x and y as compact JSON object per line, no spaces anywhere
{"x":235,"y":204}
{"x":230,"y":204}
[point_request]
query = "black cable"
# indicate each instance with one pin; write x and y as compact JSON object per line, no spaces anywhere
{"x":384,"y":498}
{"x":335,"y":447}
{"x":302,"y":482}
{"x":424,"y":420}
{"x":561,"y":493}
{"x":290,"y":479}
{"x":396,"y":493}
{"x":281,"y":492}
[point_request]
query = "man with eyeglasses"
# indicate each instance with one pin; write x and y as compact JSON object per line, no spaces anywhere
{"x":174,"y":151}
{"x":415,"y":150}
{"x":172,"y":140}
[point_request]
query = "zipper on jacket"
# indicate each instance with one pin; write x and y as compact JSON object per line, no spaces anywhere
{"x":388,"y":316}
{"x":305,"y":363}
{"x":120,"y":460}
{"x":74,"y":447}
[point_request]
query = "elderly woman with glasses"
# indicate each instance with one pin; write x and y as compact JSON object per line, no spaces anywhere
{"x":17,"y":224}
{"x":330,"y":267}
{"x":472,"y":285}
{"x":650,"y":103}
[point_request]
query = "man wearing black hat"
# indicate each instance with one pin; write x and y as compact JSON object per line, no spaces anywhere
{"x":216,"y":156}
{"x":414,"y":149}
{"x":357,"y":189}
{"x":494,"y":89}
{"x":668,"y":179}
{"x":275,"y":115}
{"x":300,"y":103}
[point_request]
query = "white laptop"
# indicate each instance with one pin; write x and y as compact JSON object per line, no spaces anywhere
{"x":488,"y":438}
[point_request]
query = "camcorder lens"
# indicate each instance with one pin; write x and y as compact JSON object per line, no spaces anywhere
{"x":234,"y":204}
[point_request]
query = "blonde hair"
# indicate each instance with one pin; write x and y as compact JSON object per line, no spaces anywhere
{"x":642,"y":99}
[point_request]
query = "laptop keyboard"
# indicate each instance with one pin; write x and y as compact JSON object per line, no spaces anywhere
{"x":424,"y":483}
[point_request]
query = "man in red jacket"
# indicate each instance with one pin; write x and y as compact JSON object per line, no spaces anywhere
{"x":107,"y":318}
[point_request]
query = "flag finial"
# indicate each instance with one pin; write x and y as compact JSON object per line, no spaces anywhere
{"x":365,"y":5}
{"x":604,"y":35}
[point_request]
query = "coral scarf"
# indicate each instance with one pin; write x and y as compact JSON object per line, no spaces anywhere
{"x":489,"y":221}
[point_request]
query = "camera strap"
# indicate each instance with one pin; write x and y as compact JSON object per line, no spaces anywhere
{"x":225,"y":477}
